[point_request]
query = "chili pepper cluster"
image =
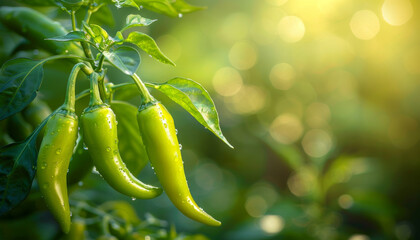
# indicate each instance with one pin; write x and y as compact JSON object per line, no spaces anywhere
{"x":99,"y":129}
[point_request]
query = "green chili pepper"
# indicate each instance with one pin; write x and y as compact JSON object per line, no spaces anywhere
{"x":55,"y":153}
{"x":36,"y":27}
{"x":100,"y":136}
{"x":159,"y":136}
{"x":77,"y":231}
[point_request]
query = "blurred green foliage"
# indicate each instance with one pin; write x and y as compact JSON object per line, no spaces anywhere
{"x":320,"y":100}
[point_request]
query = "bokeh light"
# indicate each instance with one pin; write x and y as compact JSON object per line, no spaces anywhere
{"x":397,"y":12}
{"x":282,"y":76}
{"x":365,"y":24}
{"x":286,"y":128}
{"x":272,"y":224}
{"x":243,"y":55}
{"x":227,"y":81}
{"x":291,"y":29}
{"x":317,"y":143}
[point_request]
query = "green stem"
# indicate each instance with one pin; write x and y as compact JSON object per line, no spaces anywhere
{"x":70,"y":99}
{"x":95,"y":96}
{"x":101,"y":63}
{"x":146,"y":96}
{"x":73,"y":20}
{"x":88,"y":14}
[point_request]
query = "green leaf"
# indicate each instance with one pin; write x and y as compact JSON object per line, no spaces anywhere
{"x":100,"y":37}
{"x":20,"y":79}
{"x":76,"y":36}
{"x":159,"y":6}
{"x":137,"y":21}
{"x":17,"y":170}
{"x":125,"y":3}
{"x":183,"y":7}
{"x":147,"y":44}
{"x":196,"y":100}
{"x":38,"y":2}
{"x":125,"y":58}
{"x":131,"y":147}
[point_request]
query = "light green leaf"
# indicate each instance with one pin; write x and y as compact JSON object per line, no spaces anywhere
{"x":183,"y":7}
{"x":147,"y":44}
{"x":137,"y":21}
{"x":76,"y":36}
{"x":125,"y":3}
{"x":196,"y":100}
{"x":125,"y":58}
{"x":159,"y":6}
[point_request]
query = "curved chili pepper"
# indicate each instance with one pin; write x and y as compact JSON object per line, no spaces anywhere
{"x":55,"y":153}
{"x":100,"y":136}
{"x":159,"y":136}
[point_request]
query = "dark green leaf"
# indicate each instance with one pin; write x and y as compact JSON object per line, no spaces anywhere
{"x":125,"y":58}
{"x":148,"y":45}
{"x":196,"y":100}
{"x":137,"y":21}
{"x":17,"y":170}
{"x":182,"y":7}
{"x":77,"y":36}
{"x":159,"y":6}
{"x":130,"y":143}
{"x":38,"y":2}
{"x":20,"y":79}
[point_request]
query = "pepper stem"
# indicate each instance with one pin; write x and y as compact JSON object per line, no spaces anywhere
{"x":70,"y":99}
{"x":95,"y":96}
{"x":146,"y":97}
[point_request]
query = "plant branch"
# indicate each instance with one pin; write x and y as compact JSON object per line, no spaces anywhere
{"x":146,"y":96}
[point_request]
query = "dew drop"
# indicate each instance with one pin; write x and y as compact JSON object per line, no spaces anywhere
{"x":141,"y":6}
{"x":80,"y":183}
{"x":180,"y":15}
{"x":71,"y":214}
{"x":180,"y":146}
{"x":44,"y":165}
{"x":108,"y":149}
{"x":58,"y":151}
{"x":176,"y":131}
{"x":85,"y":147}
{"x":133,"y":199}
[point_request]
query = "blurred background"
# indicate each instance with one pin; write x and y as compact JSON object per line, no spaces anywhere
{"x":320,"y":100}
